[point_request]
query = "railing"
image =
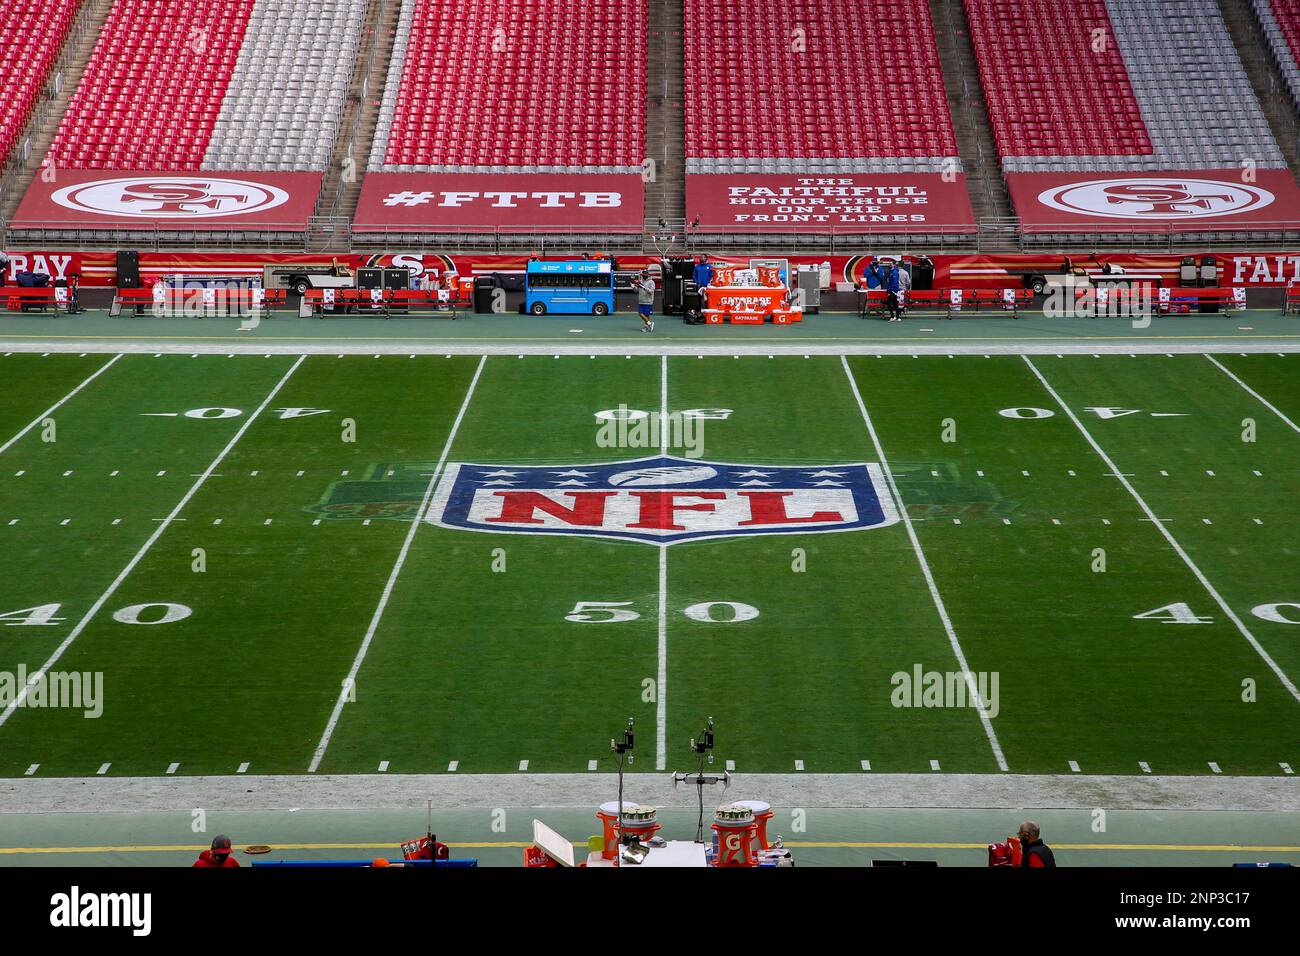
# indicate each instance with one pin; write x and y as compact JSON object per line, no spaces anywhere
{"x":358,"y":168}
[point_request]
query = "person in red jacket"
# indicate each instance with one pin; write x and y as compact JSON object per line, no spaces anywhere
{"x":219,"y":855}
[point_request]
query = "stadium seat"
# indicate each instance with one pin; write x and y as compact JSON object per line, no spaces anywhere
{"x":537,"y":86}
{"x":26,"y":56}
{"x":826,"y":86}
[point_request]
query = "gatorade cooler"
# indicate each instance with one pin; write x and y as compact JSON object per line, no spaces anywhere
{"x":734,"y":836}
{"x":637,"y":820}
{"x":762,"y":813}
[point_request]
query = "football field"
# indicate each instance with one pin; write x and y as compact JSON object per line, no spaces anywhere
{"x":455,"y":564}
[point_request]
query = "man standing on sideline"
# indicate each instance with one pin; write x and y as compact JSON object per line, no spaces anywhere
{"x":893,"y":302}
{"x":218,"y":856}
{"x":645,"y":300}
{"x":1035,"y":853}
{"x":703,"y":272}
{"x":904,"y":287}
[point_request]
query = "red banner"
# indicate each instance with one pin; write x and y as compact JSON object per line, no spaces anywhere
{"x":912,"y":202}
{"x":135,"y":199}
{"x":1199,"y":201}
{"x":514,"y":202}
{"x":960,"y":271}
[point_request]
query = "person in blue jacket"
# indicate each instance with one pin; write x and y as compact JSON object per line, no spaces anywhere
{"x":703,"y":272}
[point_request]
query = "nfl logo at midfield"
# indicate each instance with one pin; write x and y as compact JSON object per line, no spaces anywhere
{"x":662,"y":500}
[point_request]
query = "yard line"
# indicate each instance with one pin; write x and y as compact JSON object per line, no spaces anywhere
{"x":1258,"y":397}
{"x":60,"y":403}
{"x":1173,"y":542}
{"x":153,"y":538}
{"x":929,"y":577}
{"x":661,"y":687}
{"x":350,"y":682}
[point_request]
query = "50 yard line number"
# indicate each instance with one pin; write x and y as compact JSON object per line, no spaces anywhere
{"x":613,"y":612}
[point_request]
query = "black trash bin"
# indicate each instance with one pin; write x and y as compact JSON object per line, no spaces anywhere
{"x":484,"y":292}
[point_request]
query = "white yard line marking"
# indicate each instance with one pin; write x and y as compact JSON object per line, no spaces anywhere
{"x":591,"y":764}
{"x":523,"y":765}
{"x":451,"y":767}
{"x":103,"y":769}
{"x":798,"y":765}
{"x":929,"y":577}
{"x":866,"y":765}
{"x":383,"y":766}
{"x":350,"y":682}
{"x":661,"y":687}
{"x":1214,"y":767}
{"x":31,"y":771}
{"x":173,"y":767}
{"x":60,"y":403}
{"x":153,"y":538}
{"x":1250,"y":391}
{"x":1169,"y":538}
{"x":243,"y":768}
{"x":1074,"y":766}
{"x":731,"y":766}
{"x":1286,"y":767}
{"x":1144,"y":766}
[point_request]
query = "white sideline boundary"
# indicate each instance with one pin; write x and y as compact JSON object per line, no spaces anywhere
{"x":491,"y":790}
{"x":1250,"y":391}
{"x":929,"y":576}
{"x":60,"y":403}
{"x":153,"y":538}
{"x":832,"y":347}
{"x":1168,"y":536}
{"x":349,"y":682}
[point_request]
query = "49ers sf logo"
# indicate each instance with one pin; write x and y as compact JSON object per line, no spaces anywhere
{"x":1155,"y":198}
{"x":171,"y":197}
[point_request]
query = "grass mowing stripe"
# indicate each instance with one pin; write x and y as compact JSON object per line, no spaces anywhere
{"x":392,"y":578}
{"x":1172,"y":541}
{"x":153,"y":538}
{"x":925,"y":570}
{"x":661,"y":688}
{"x":1260,"y":398}
{"x":60,"y":403}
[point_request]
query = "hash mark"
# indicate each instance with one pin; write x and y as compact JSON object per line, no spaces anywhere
{"x":266,"y":522}
{"x":866,"y":765}
{"x":173,"y":767}
{"x":731,"y":765}
{"x":798,"y":765}
{"x":1256,"y":520}
{"x":451,"y":767}
{"x":1145,"y":767}
{"x":591,"y":765}
{"x":383,"y":766}
{"x":1206,"y":521}
{"x":523,"y":765}
{"x":1214,"y":767}
{"x":103,"y":769}
{"x":934,"y":765}
{"x":316,"y":522}
{"x":216,"y":521}
{"x":366,"y":522}
{"x":1074,"y":766}
{"x":65,"y":521}
{"x":34,"y":767}
{"x":1286,"y":768}
{"x":243,"y":768}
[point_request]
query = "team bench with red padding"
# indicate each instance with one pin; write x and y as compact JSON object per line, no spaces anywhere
{"x":26,"y":299}
{"x":382,"y":301}
{"x":1182,"y":301}
{"x":948,"y":301}
{"x":199,"y":302}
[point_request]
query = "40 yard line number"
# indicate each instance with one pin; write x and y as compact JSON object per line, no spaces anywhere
{"x":44,"y":615}
{"x":1282,"y":612}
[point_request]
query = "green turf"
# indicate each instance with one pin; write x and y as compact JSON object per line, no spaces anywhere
{"x":473,"y":660}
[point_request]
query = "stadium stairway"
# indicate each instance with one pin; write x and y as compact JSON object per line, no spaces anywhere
{"x":665,"y":197}
{"x":988,"y":191}
{"x":342,"y":187}
{"x":45,"y":119}
{"x":1265,"y":77}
